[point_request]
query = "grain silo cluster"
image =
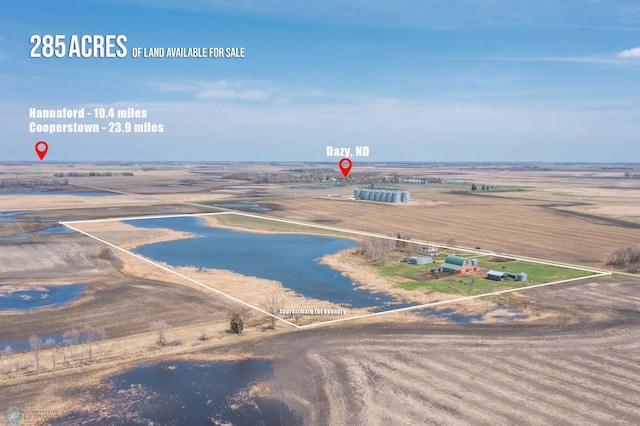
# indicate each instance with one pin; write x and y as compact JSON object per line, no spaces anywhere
{"x":385,"y":195}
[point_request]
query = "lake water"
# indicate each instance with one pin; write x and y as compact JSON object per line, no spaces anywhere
{"x":243,"y":206}
{"x":289,"y":258}
{"x":24,"y":345}
{"x":188,"y":393}
{"x":28,"y":298}
{"x":12,"y":297}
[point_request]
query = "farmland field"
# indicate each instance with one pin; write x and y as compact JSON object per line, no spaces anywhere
{"x":570,"y":335}
{"x":517,"y":226}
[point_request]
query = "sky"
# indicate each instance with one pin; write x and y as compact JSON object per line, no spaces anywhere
{"x":414,"y":80}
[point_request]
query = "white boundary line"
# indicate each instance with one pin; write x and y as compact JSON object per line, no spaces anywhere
{"x":598,"y":273}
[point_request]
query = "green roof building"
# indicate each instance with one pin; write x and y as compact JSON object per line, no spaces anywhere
{"x":459,"y":265}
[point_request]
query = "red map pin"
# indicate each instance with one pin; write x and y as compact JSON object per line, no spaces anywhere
{"x":345,"y":166}
{"x":41,"y":149}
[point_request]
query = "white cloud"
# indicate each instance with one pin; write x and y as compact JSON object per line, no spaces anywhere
{"x":630,"y":53}
{"x":595,"y":59}
{"x":260,"y":91}
{"x":223,"y":90}
{"x":234,"y":94}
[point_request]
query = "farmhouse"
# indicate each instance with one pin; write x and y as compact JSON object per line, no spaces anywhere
{"x":459,"y":265}
{"x":429,"y":250}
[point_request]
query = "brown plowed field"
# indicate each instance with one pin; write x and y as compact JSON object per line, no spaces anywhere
{"x":515,"y":226}
{"x":585,"y":371}
{"x":582,"y":367}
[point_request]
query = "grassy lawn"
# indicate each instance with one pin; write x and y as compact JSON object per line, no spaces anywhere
{"x":535,"y":271}
{"x":401,"y":273}
{"x":456,"y":285}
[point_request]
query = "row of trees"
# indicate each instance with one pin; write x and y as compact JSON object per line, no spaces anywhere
{"x":474,"y":187}
{"x":627,"y":258}
{"x":91,"y":174}
{"x":77,"y":347}
{"x":378,"y":249}
{"x":33,"y":183}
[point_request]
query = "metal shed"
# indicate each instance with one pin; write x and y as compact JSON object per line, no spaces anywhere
{"x":420,"y":260}
{"x":495,"y":275}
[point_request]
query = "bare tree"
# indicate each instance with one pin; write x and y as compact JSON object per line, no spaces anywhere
{"x":627,"y":258}
{"x":51,"y":344}
{"x":409,"y":249}
{"x":6,"y":353}
{"x":90,"y":335}
{"x":382,"y":249}
{"x":101,"y":335}
{"x":35,"y":343}
{"x":377,"y":249}
{"x":160,"y":328}
{"x":70,"y":340}
{"x":402,"y":241}
{"x":364,"y":246}
{"x":273,"y":304}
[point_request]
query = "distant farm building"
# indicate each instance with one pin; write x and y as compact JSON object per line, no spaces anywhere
{"x":459,"y":265}
{"x":419,"y":260}
{"x":386,"y":195}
